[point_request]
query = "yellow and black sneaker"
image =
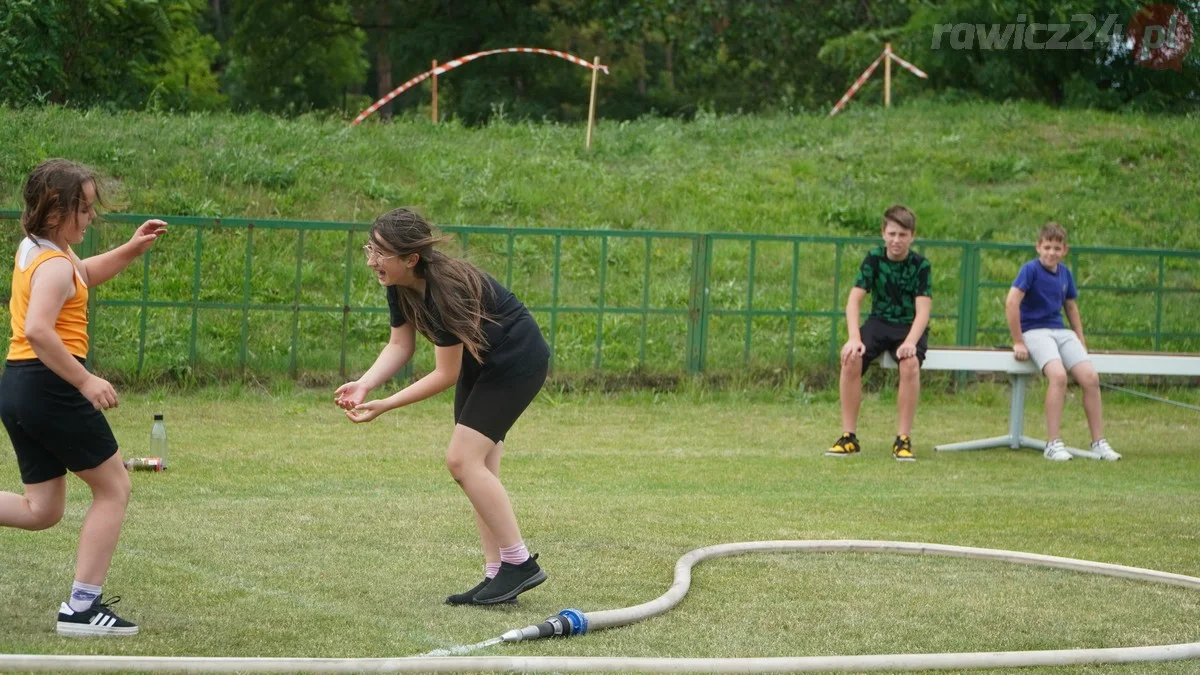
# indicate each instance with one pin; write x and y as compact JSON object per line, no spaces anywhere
{"x":845,"y":446}
{"x":902,"y":449}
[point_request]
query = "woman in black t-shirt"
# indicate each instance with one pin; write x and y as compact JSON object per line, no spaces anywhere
{"x":487,"y":343}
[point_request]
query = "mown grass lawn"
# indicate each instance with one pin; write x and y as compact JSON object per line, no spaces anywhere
{"x":284,"y":530}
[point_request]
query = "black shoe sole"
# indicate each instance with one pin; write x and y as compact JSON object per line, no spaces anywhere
{"x":468,"y":603}
{"x":510,"y":601}
{"x":511,"y":596}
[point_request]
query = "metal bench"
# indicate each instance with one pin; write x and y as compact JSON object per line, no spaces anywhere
{"x":1021,"y":372}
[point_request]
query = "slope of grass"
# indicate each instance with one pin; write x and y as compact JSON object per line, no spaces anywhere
{"x":988,"y":173}
{"x":992,"y":172}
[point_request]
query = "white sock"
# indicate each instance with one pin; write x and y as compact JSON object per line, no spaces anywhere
{"x":82,"y":596}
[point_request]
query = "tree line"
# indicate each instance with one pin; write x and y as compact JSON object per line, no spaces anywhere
{"x":666,"y":57}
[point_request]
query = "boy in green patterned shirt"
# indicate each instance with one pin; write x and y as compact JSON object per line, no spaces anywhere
{"x":898,"y":280}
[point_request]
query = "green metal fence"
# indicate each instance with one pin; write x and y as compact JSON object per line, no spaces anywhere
{"x":255,"y":295}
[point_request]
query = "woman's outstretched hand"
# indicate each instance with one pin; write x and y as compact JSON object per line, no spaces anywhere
{"x":365,"y":412}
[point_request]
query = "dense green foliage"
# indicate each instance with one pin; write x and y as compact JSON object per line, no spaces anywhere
{"x":666,"y":57}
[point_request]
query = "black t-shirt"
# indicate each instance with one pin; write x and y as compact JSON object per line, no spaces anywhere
{"x":513,"y":337}
{"x":895,"y":285}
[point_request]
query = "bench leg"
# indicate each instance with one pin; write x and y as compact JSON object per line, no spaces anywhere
{"x":1016,"y":425}
{"x":981,"y":444}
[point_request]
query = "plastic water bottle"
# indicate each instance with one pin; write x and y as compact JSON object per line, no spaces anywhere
{"x":144,"y":464}
{"x":158,"y":440}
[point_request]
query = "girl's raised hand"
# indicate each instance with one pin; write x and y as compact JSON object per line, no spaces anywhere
{"x":147,"y":232}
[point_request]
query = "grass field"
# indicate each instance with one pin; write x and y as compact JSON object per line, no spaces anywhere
{"x":283,"y":530}
{"x":990,"y":173}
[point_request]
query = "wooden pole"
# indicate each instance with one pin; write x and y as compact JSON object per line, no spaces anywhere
{"x":887,"y":75}
{"x":433,"y":113}
{"x":592,"y":103}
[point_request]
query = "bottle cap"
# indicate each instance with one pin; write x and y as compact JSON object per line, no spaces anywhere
{"x":158,"y":416}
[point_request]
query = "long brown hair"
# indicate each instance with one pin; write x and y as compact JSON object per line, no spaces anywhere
{"x":54,"y":187}
{"x":457,"y":287}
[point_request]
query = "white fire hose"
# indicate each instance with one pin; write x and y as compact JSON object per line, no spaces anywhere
{"x":574,"y":622}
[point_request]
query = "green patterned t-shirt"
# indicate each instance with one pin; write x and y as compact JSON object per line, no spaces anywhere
{"x":894,"y":285}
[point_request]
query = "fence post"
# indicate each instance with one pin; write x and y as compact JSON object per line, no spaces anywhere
{"x":244,"y":356}
{"x":144,"y":312}
{"x":749,"y":303}
{"x":556,"y":270}
{"x":968,"y":301}
{"x":294,"y":356}
{"x":600,"y":302}
{"x":345,"y":302}
{"x":698,"y":302}
{"x":86,"y":249}
{"x":837,"y":293}
{"x":1158,"y":303}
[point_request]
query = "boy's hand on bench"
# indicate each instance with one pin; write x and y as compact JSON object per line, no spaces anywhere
{"x":1021,"y":352}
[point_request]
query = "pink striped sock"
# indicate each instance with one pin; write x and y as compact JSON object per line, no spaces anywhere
{"x":490,"y":570}
{"x":515,"y":554}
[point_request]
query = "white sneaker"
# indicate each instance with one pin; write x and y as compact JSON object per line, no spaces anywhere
{"x":1102,"y":448}
{"x":1056,"y":451}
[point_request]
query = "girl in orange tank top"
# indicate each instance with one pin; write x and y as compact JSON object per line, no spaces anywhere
{"x":51,"y":406}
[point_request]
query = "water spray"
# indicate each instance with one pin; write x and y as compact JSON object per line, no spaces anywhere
{"x":567,"y":623}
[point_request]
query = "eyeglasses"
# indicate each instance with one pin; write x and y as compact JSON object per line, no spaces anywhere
{"x":373,"y":254}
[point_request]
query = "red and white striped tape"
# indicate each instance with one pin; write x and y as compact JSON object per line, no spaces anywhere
{"x":887,"y":53}
{"x":462,"y":60}
{"x":911,"y":68}
{"x":857,"y":83}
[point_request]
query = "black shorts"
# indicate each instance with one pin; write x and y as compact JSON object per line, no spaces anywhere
{"x":53,"y":428}
{"x":490,"y":402}
{"x":879,"y":336}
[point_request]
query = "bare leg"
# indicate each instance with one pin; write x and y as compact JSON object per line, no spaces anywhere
{"x":102,"y":524}
{"x":850,"y":391}
{"x":910,"y":392}
{"x":39,"y":508}
{"x":1085,"y":375}
{"x":491,"y":550}
{"x":1056,"y":396}
{"x":466,"y":460}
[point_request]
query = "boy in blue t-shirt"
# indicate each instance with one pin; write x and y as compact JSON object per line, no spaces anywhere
{"x":1042,"y":290}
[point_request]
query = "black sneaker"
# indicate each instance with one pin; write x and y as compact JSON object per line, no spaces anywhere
{"x":902,"y":449}
{"x":466,"y":598}
{"x":845,"y":446}
{"x":511,"y":582}
{"x":96,"y":621}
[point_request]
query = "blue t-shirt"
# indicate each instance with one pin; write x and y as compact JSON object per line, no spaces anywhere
{"x":1046,"y":293}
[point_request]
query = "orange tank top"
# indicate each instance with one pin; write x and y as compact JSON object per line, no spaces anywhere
{"x":71,"y":324}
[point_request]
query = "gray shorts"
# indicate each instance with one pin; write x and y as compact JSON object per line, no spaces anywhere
{"x":1055,"y":344}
